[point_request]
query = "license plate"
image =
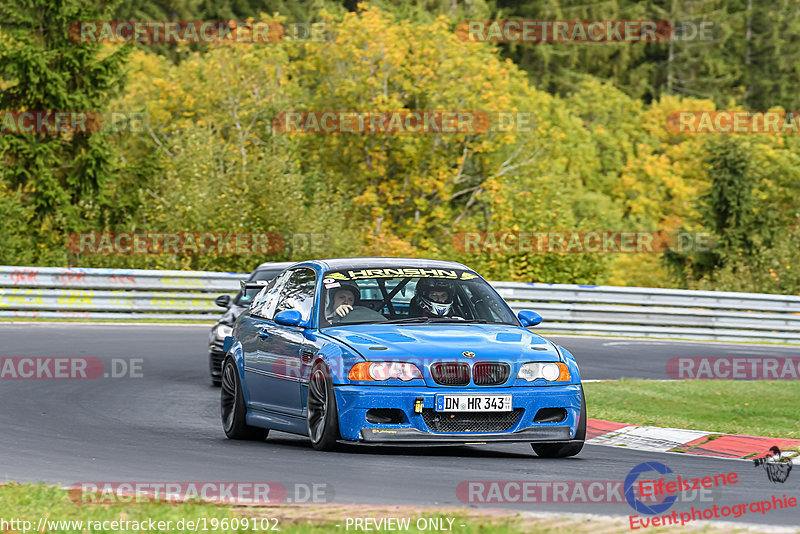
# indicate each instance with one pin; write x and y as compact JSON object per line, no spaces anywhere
{"x":473,"y":403}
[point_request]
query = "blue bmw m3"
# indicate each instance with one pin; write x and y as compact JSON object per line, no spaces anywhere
{"x":397,"y":351}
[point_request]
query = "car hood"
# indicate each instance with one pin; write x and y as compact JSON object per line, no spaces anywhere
{"x":424,"y":343}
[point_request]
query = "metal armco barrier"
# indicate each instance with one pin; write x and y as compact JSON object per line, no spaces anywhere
{"x":52,"y":292}
{"x":662,"y":313}
{"x":48,"y":292}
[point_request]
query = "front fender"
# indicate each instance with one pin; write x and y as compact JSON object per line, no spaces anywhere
{"x":237,"y":354}
{"x":339,"y":359}
{"x":572,"y":365}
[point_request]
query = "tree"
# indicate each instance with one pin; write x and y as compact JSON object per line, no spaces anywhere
{"x":728,"y":207}
{"x":770,"y":53}
{"x":61,"y":177}
{"x":752,"y":209}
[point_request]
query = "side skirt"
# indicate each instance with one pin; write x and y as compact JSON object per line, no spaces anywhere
{"x":280,"y":422}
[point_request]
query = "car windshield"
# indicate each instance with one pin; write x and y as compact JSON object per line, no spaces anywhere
{"x":409,"y":295}
{"x":246,"y":298}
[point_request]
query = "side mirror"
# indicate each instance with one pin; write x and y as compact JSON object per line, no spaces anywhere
{"x":529,"y":318}
{"x":223,"y":301}
{"x":289,"y":318}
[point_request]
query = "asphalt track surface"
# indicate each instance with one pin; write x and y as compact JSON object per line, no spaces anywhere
{"x":164,"y":427}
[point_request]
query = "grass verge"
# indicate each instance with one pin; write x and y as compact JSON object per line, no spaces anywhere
{"x":754,"y":408}
{"x":31,"y":502}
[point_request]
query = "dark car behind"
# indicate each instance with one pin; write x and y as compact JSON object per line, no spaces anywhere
{"x":222,"y":328}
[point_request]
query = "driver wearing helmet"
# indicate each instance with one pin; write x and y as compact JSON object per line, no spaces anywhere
{"x":432,"y":298}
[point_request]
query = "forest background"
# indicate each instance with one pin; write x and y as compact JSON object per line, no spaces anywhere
{"x":599,"y":157}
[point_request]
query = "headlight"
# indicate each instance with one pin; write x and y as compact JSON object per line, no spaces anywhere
{"x":379,"y":371}
{"x":552,"y":372}
{"x":223,"y":331}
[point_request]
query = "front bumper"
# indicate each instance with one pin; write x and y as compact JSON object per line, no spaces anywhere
{"x":215,"y":357}
{"x":355,"y":401}
{"x":412,"y":435}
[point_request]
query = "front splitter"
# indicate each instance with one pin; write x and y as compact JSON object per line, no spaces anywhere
{"x":551,"y":434}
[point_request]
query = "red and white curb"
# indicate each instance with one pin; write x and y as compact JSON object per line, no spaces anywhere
{"x":696,"y":442}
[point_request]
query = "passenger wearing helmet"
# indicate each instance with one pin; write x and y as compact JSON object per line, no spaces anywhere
{"x":432,"y":298}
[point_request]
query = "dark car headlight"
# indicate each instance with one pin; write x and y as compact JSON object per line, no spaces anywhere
{"x":223,"y":331}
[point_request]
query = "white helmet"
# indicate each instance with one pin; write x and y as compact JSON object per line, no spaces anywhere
{"x":423,"y":290}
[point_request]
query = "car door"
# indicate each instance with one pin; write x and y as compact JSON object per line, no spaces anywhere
{"x":288,"y":344}
{"x":255,"y":337}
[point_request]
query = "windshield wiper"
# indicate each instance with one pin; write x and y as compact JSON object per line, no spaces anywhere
{"x":335,"y":325}
{"x":434,"y":320}
{"x":409,"y":320}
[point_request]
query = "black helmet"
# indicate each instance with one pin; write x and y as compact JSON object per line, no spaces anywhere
{"x":422,"y":294}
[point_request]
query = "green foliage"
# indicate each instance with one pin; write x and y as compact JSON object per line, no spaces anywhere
{"x":56,"y":178}
{"x":773,"y":269}
{"x":728,"y":204}
{"x":598,"y":154}
{"x":750,"y":55}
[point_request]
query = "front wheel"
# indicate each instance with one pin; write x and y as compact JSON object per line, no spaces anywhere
{"x":557,"y":450}
{"x":323,"y":417}
{"x":232,"y":408}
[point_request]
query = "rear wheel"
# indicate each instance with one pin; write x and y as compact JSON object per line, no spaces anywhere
{"x":232,"y":408}
{"x":323,"y":417}
{"x":559,"y":450}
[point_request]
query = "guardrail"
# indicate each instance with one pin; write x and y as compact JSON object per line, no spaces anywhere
{"x":662,"y":313}
{"x":52,"y":292}
{"x":48,"y":292}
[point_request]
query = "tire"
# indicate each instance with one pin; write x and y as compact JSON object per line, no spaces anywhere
{"x":323,"y":416}
{"x":563,"y":450}
{"x":232,"y":409}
